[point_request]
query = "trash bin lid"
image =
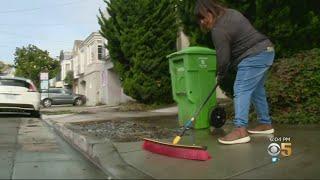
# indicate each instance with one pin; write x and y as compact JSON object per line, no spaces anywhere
{"x":194,"y":50}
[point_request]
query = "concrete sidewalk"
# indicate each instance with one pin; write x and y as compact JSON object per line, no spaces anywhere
{"x":29,"y":149}
{"x":245,"y":161}
{"x":128,"y":160}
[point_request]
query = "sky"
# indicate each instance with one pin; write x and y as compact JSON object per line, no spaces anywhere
{"x":51,"y":25}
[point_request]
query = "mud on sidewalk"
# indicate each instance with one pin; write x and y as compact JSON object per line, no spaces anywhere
{"x":128,"y":129}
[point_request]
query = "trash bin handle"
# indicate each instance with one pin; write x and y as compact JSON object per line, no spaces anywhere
{"x":181,"y":93}
{"x":177,"y":59}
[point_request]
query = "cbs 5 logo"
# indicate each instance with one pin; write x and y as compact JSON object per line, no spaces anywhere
{"x":274,"y":149}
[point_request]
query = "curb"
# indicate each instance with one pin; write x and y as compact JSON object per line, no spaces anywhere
{"x":102,"y":153}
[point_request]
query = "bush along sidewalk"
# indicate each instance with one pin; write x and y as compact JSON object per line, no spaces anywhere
{"x":293,"y":88}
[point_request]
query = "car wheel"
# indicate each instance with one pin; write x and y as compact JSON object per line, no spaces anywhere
{"x":78,"y":102}
{"x":47,"y":103}
{"x":36,"y":114}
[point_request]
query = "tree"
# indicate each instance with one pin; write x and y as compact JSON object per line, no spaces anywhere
{"x":190,"y":26}
{"x":30,"y":61}
{"x":2,"y":66}
{"x":140,"y":35}
{"x":69,"y":79}
{"x":292,"y":26}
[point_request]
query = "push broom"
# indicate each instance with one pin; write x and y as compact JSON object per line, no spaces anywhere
{"x":181,"y":151}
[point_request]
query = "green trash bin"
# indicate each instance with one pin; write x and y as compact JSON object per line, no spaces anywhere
{"x":193,"y":75}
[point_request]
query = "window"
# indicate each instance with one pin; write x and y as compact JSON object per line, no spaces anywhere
{"x":14,"y":82}
{"x":67,"y":91}
{"x":56,"y":91}
{"x":100,"y":52}
{"x":68,"y":67}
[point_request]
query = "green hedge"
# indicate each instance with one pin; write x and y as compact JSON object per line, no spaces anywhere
{"x":291,"y":25}
{"x":293,"y":88}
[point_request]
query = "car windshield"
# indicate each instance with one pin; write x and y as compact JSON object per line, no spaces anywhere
{"x":67,"y":91}
{"x":14,"y":82}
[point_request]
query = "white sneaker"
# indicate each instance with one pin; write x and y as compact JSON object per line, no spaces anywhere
{"x":236,"y":141}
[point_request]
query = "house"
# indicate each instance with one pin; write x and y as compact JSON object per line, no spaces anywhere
{"x":56,"y":81}
{"x":93,"y":72}
{"x":66,"y":64}
{"x":7,"y":70}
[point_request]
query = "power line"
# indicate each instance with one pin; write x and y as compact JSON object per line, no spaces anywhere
{"x":49,"y":25}
{"x":67,"y":43}
{"x":16,"y":34}
{"x":39,"y":8}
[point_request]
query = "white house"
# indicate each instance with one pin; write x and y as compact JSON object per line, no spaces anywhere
{"x":66,"y":63}
{"x":94,"y":76}
{"x":9,"y":71}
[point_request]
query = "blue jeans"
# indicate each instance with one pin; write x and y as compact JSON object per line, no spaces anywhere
{"x":249,"y":88}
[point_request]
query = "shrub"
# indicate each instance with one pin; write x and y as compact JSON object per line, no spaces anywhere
{"x":69,"y":79}
{"x":293,"y":88}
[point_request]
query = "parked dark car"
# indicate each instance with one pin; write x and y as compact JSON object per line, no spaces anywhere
{"x":58,"y":96}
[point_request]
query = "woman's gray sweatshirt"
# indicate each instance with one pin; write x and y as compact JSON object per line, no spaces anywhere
{"x":235,"y":38}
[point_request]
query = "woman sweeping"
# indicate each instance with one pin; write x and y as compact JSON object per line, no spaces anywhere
{"x":239,"y":45}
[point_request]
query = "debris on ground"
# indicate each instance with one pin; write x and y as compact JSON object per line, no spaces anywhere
{"x":128,"y":130}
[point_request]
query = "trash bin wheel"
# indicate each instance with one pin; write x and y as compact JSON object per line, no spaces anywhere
{"x":218,"y":117}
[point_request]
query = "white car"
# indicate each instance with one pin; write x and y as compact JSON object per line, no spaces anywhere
{"x":19,"y":95}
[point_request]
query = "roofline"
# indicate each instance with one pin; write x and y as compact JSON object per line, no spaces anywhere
{"x":91,"y":36}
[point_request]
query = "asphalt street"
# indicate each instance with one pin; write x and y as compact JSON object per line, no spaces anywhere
{"x":29,"y":149}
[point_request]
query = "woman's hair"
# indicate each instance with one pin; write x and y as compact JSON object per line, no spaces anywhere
{"x":205,"y":6}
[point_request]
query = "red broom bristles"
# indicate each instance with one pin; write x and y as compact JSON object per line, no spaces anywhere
{"x":192,"y":153}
